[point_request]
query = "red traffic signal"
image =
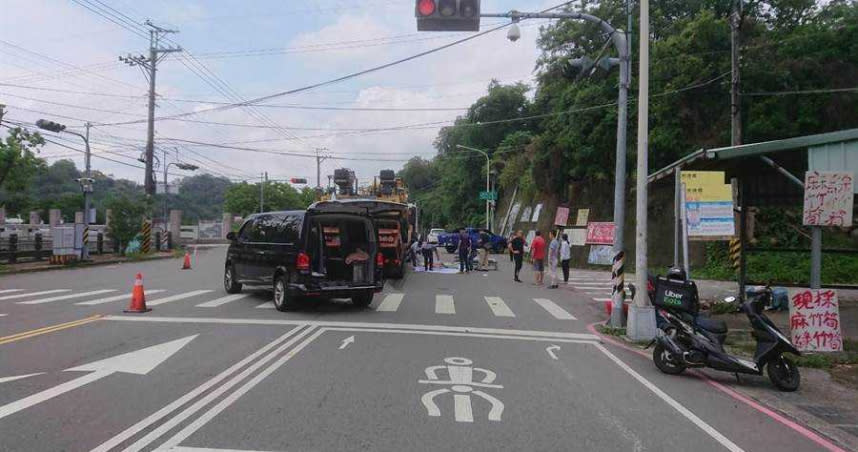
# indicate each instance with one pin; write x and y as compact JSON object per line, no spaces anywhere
{"x":298,"y":180}
{"x":447,"y":15}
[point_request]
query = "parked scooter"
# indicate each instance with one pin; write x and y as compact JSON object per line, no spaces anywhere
{"x":688,"y":339}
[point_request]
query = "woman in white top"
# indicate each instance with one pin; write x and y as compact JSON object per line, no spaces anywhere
{"x":565,"y":256}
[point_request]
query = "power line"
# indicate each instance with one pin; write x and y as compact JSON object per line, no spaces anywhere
{"x":802,"y":91}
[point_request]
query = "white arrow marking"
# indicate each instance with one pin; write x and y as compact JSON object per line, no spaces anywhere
{"x":139,"y":362}
{"x":347,"y":341}
{"x":18,"y":377}
{"x":551,"y":349}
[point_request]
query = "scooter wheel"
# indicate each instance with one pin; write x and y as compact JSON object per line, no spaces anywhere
{"x":665,"y":361}
{"x":784,"y":374}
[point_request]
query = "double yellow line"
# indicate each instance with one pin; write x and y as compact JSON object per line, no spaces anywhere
{"x":49,"y":329}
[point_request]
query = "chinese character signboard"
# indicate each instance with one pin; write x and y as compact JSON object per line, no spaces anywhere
{"x":600,"y":233}
{"x":600,"y":255}
{"x":577,"y":236}
{"x":828,"y":198}
{"x":583,"y":216}
{"x":708,"y":204}
{"x":562,"y":216}
{"x":814,"y":320}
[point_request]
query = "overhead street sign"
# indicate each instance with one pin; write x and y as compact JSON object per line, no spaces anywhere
{"x":489,"y":195}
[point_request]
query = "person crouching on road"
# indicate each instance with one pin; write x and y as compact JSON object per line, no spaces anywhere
{"x":553,"y":257}
{"x":464,"y":252}
{"x":516,"y":250}
{"x":565,"y":257}
{"x":537,"y":253}
{"x":414,"y":250}
{"x":429,"y":252}
{"x":485,"y":244}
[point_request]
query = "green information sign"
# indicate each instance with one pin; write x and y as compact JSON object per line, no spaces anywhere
{"x":489,"y":195}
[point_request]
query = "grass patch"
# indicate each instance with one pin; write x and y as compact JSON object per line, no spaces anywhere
{"x":611,"y":331}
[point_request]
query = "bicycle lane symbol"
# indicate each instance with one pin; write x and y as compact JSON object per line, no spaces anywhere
{"x":462,"y":385}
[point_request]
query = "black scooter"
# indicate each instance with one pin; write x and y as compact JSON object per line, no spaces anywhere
{"x":687,"y":339}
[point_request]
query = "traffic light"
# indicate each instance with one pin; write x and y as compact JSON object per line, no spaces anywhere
{"x":447,"y":15}
{"x":298,"y":180}
{"x":50,"y":126}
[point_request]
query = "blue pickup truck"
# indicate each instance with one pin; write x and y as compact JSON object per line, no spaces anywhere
{"x":450,"y":240}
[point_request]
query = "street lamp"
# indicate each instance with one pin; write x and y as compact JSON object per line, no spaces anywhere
{"x":181,"y":166}
{"x":488,"y":173}
{"x":86,"y":182}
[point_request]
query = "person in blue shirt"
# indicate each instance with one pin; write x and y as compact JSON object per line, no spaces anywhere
{"x":464,"y":252}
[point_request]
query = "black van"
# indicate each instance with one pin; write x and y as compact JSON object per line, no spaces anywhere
{"x":328,"y":251}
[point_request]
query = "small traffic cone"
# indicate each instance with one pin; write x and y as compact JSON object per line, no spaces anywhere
{"x":138,"y":298}
{"x":187,"y":264}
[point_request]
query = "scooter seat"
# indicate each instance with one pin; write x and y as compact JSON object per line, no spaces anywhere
{"x":710,"y":325}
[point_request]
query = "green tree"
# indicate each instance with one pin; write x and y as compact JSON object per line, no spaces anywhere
{"x":18,"y":161}
{"x":125,"y":220}
{"x":243,"y":199}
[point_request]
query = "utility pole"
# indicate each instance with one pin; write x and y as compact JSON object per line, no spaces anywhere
{"x":641,"y":322}
{"x":319,"y":159}
{"x":87,"y":191}
{"x":150,"y":68}
{"x":735,"y":103}
{"x":263,"y":178}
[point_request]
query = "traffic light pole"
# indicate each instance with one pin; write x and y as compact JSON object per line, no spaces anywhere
{"x":620,"y":43}
{"x":87,"y":189}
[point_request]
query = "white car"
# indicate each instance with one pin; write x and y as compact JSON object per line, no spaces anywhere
{"x":432,"y":237}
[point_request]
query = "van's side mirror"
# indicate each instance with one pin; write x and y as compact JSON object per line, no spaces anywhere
{"x":230,"y":235}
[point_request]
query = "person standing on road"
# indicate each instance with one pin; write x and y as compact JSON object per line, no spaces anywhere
{"x":485,"y":243}
{"x":553,"y":257}
{"x":516,"y":250}
{"x":414,"y":250}
{"x":537,"y":253}
{"x":464,"y":252}
{"x":429,"y":252}
{"x":509,"y":240}
{"x":565,"y":257}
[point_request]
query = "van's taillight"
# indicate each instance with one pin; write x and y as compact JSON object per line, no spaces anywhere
{"x":379,"y":259}
{"x":303,"y":262}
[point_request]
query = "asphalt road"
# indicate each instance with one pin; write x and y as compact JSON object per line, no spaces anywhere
{"x":438,"y":362}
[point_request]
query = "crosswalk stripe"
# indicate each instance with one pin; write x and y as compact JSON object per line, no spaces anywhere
{"x":66,"y":297}
{"x":223,"y":300}
{"x":390,"y":303}
{"x":126,"y":296}
{"x":266,"y":305}
{"x":499,"y":308}
{"x":601,"y":299}
{"x":3,"y":315}
{"x":33,"y":294}
{"x":177,"y":297}
{"x":11,"y":290}
{"x":553,"y":309}
{"x":444,"y":304}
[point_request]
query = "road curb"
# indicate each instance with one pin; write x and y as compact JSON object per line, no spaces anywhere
{"x":82,"y":265}
{"x":773,"y":413}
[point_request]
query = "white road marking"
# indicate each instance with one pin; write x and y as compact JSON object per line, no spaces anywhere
{"x":355,"y":326}
{"x":498,"y":307}
{"x":66,"y":297}
{"x":462,"y":408}
{"x":551,"y":349}
{"x":553,"y":309}
{"x":178,"y":297}
{"x":11,"y":290}
{"x":203,"y":449}
{"x":33,"y":294}
{"x":715,"y":434}
{"x":206,"y":417}
{"x":181,"y":401}
{"x":444,"y":304}
{"x":266,"y":305}
{"x":3,"y":315}
{"x":19,"y":377}
{"x":115,"y":298}
{"x":601,"y":299}
{"x":390,"y":303}
{"x":139,"y":362}
{"x":347,"y":341}
{"x":223,"y":300}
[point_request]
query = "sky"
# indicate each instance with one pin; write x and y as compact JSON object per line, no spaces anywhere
{"x":59,"y":61}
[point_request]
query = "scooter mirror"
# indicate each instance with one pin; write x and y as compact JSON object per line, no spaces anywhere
{"x":729,"y":299}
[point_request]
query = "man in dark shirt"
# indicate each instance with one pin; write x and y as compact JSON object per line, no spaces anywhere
{"x":464,"y":252}
{"x":516,"y":247}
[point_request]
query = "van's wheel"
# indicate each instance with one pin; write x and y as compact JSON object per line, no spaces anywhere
{"x":363,"y":300}
{"x":282,"y":301}
{"x":229,"y":283}
{"x":665,"y":361}
{"x":784,"y":373}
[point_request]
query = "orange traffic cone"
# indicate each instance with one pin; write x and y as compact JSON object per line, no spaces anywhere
{"x":187,"y":264}
{"x":138,"y":298}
